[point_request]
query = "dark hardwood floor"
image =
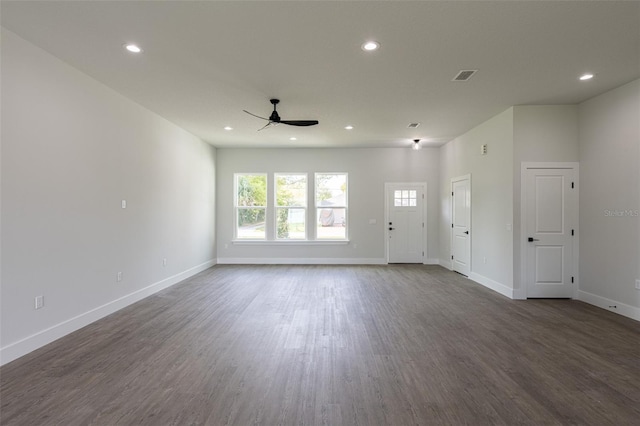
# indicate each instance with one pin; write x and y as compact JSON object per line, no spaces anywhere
{"x":337,"y":345}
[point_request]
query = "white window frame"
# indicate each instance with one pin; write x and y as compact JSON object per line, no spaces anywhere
{"x":236,"y":207}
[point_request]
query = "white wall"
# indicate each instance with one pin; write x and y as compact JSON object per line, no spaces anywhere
{"x":368,"y":171}
{"x":491,"y":199}
{"x":72,"y":149}
{"x":609,"y":131}
{"x":545,"y":133}
{"x":541,"y":133}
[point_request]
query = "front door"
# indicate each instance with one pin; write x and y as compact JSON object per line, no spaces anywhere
{"x":405,"y":225}
{"x":461,"y":224}
{"x":551,"y":218}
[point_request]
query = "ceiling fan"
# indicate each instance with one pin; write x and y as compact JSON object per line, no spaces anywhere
{"x":274,"y":119}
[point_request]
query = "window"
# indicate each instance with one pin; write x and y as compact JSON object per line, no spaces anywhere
{"x":404,"y":198}
{"x":251,"y":206}
{"x":274,"y":207}
{"x":331,"y":206}
{"x":291,"y":206}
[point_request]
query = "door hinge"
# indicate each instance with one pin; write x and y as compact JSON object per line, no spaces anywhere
{"x":452,"y":193}
{"x":572,"y":185}
{"x":423,"y":224}
{"x":571,"y":279}
{"x":451,"y":257}
{"x":452,"y":225}
{"x":572,"y":234}
{"x":422,"y":254}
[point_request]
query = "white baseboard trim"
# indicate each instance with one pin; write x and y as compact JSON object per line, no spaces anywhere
{"x":491,"y":284}
{"x":604,"y":303}
{"x":300,"y":261}
{"x":28,"y":344}
{"x":309,"y":261}
{"x":446,"y":264}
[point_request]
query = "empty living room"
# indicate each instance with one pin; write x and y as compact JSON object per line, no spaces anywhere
{"x":319,"y":213}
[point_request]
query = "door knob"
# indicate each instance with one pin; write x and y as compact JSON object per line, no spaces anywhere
{"x":531,"y":239}
{"x":466,"y":232}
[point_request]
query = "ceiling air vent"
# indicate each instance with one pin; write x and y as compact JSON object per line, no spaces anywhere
{"x":464,"y":75}
{"x":413,"y":125}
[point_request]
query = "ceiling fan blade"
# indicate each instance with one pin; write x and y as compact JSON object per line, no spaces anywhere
{"x":268,"y":125}
{"x":250,"y":113}
{"x":301,"y":123}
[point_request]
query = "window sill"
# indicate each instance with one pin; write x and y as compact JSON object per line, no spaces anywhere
{"x":290,"y":242}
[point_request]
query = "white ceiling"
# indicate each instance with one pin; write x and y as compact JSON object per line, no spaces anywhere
{"x":204,"y":62}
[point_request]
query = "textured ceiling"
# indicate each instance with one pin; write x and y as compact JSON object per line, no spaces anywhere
{"x":204,"y":62}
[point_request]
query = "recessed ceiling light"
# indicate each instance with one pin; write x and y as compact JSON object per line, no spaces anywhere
{"x":370,"y":46}
{"x":228,"y":128}
{"x":349,"y":127}
{"x":293,"y":139}
{"x":587,"y":76}
{"x":133,"y":48}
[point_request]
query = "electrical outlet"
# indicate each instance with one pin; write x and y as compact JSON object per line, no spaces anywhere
{"x":164,"y":262}
{"x":484,"y":260}
{"x":119,"y":277}
{"x":637,"y":284}
{"x":39,"y":302}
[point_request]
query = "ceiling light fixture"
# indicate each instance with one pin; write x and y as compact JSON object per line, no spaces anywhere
{"x":293,"y":139}
{"x":416,"y":145}
{"x":370,"y":46}
{"x":587,"y":76}
{"x":228,"y":128}
{"x":349,"y":127}
{"x":133,"y":48}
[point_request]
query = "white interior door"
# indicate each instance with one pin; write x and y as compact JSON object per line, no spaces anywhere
{"x":461,"y":224}
{"x":405,"y":223}
{"x":551,"y":217}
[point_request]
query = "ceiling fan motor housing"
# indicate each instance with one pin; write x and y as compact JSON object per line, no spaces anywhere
{"x":274,"y":115}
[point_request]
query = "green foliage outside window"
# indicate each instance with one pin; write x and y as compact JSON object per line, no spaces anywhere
{"x":252,"y":192}
{"x":251,"y":204}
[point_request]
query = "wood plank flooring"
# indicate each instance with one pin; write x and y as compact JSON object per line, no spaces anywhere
{"x":333,"y":345}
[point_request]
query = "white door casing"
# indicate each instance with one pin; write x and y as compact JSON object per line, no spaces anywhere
{"x":404,"y":223}
{"x":550,"y":219}
{"x":461,"y":224}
